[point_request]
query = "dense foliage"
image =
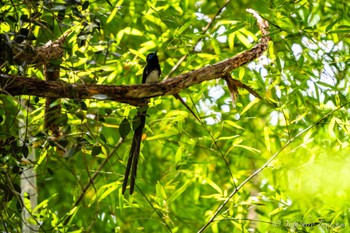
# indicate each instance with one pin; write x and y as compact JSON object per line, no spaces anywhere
{"x":188,"y":168}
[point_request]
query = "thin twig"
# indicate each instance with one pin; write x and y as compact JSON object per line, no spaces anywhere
{"x":91,"y":180}
{"x":266,"y":164}
{"x":198,"y":41}
{"x":177,"y":96}
{"x":158,"y":213}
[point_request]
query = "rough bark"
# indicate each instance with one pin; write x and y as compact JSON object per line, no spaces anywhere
{"x":133,"y":94}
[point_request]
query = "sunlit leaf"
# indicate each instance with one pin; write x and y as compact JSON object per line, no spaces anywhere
{"x":251,"y":104}
{"x":175,"y":195}
{"x":114,"y":11}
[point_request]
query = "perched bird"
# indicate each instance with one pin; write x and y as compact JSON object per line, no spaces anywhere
{"x":151,"y":74}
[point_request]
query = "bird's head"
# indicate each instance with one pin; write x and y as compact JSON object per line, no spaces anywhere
{"x":152,"y":58}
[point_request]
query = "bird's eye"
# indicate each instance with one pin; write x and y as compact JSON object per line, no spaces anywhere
{"x":150,"y":56}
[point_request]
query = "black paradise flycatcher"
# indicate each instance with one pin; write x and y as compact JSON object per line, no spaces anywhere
{"x":151,"y":74}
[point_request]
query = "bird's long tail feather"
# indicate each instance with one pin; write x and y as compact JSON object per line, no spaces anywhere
{"x":134,"y":153}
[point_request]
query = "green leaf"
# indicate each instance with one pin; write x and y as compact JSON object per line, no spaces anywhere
{"x":108,"y":190}
{"x":175,"y":195}
{"x":114,"y":11}
{"x":251,"y":104}
{"x":25,"y":151}
{"x":313,"y":19}
{"x":124,"y":128}
{"x":96,"y":150}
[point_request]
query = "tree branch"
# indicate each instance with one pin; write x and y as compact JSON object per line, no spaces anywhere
{"x":25,"y":53}
{"x":133,"y":94}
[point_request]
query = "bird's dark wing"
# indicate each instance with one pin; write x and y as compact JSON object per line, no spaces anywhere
{"x":145,"y":74}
